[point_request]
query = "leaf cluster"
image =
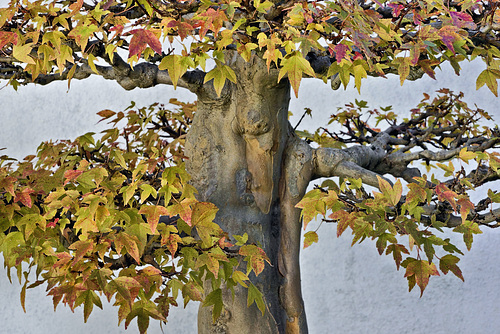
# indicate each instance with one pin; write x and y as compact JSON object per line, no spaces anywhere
{"x":333,"y":40}
{"x":407,"y":218}
{"x":114,"y":216}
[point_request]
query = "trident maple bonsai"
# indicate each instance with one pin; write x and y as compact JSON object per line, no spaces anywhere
{"x":197,"y":200}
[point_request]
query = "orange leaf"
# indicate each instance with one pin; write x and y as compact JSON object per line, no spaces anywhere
{"x":153,"y":213}
{"x":421,"y":270}
{"x":140,"y":39}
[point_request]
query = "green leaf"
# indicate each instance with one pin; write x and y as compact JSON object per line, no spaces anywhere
{"x":214,"y":298}
{"x":176,"y":66}
{"x":219,"y":74}
{"x":449,"y":263}
{"x":489,"y":78}
{"x":254,"y":295}
{"x":294,"y":65}
{"x":310,"y":238}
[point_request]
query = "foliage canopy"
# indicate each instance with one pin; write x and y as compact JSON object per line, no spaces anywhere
{"x":115,"y":214}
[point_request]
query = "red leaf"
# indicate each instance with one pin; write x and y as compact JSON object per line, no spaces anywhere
{"x":465,"y":207}
{"x":462,"y":20}
{"x":8,"y":184}
{"x":444,"y":193}
{"x":421,"y":270}
{"x":71,"y":175}
{"x":449,"y":35}
{"x":184,"y":29}
{"x":6,"y":38}
{"x":24,"y":197}
{"x":153,"y":213}
{"x":52,"y":224}
{"x":140,"y":39}
{"x":340,"y":52}
{"x":81,"y":248}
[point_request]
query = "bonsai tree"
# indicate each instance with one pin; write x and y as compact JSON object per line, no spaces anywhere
{"x":206,"y":200}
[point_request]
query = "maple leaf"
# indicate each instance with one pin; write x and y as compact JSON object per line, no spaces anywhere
{"x":462,"y":20}
{"x":213,"y":20}
{"x":219,"y":74}
{"x":449,"y":263}
{"x":8,"y":184}
{"x":489,"y":78}
{"x":294,"y":66}
{"x":6,"y":38}
{"x":343,"y":218}
{"x":140,"y":39}
{"x":420,"y":270}
{"x":81,"y":248}
{"x":340,"y":52}
{"x":311,"y":205}
{"x":130,"y":243}
{"x":176,"y":66}
{"x":184,"y":29}
{"x":396,"y":250}
{"x":193,"y":290}
{"x":24,"y":197}
{"x":255,"y":257}
{"x":153,"y":213}
{"x":71,"y":175}
{"x":449,"y":35}
{"x":310,"y":238}
{"x":22,"y":53}
{"x":445,"y":194}
{"x":465,"y":207}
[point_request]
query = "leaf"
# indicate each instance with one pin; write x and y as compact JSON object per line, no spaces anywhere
{"x":396,"y":250}
{"x":240,"y":277}
{"x":344,"y":220}
{"x":254,"y":295}
{"x":71,"y":175}
{"x":294,"y":66}
{"x":176,"y":66}
{"x":214,"y":298}
{"x":24,"y":196}
{"x":445,"y":194}
{"x":130,"y":243}
{"x":219,"y":74}
{"x":81,"y":248}
{"x":255,"y":257}
{"x":449,"y":263}
{"x":466,"y":207}
{"x":142,"y":38}
{"x":7,"y":37}
{"x":311,"y":205}
{"x":21,"y":53}
{"x":340,"y":52}
{"x":420,"y":270}
{"x":489,"y":78}
{"x":153,"y":213}
{"x":466,"y":155}
{"x":310,"y":238}
{"x":449,"y":34}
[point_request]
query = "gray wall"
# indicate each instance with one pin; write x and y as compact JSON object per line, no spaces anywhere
{"x":346,"y":290}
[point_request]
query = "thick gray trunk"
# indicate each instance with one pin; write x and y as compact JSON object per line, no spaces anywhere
{"x":244,"y":158}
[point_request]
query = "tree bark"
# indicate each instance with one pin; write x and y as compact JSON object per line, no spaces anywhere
{"x":244,"y":157}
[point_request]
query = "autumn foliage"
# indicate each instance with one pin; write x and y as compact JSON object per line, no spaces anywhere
{"x":114,"y":215}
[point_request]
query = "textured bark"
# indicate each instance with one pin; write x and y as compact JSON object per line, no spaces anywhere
{"x":244,"y":157}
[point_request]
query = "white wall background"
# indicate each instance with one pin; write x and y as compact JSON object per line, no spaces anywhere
{"x":346,"y":290}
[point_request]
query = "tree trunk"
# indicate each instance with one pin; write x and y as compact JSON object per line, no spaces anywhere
{"x":245,"y":158}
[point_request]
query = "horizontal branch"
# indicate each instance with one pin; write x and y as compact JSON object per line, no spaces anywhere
{"x":142,"y":75}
